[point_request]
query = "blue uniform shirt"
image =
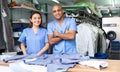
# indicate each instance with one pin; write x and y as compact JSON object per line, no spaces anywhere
{"x":34,"y":42}
{"x":64,"y":46}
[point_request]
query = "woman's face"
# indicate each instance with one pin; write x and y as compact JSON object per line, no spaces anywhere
{"x":36,"y":19}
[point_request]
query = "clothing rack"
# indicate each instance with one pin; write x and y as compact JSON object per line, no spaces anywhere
{"x":82,"y":14}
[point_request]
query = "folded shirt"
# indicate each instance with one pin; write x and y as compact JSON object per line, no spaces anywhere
{"x":55,"y":67}
{"x":10,"y":58}
{"x":51,"y":61}
{"x":75,"y":56}
{"x":95,"y":63}
{"x":20,"y":66}
{"x":6,"y":58}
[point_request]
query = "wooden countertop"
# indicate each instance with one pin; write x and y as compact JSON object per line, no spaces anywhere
{"x":4,"y":64}
{"x":113,"y":66}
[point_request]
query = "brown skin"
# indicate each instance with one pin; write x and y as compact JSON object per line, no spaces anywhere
{"x":56,"y":37}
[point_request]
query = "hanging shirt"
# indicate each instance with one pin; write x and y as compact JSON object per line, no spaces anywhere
{"x":34,"y":42}
{"x":85,"y":39}
{"x":102,"y":41}
{"x":64,"y":46}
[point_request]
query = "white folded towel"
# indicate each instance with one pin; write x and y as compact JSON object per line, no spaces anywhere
{"x":95,"y":63}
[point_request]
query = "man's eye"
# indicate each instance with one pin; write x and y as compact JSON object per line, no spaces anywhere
{"x":54,"y":11}
{"x":57,"y":10}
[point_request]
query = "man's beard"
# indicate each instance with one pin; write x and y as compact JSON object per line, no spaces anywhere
{"x":61,"y":17}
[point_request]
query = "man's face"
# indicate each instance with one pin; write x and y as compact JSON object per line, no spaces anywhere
{"x":57,"y":12}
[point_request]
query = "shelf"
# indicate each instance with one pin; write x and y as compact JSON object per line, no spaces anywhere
{"x":27,"y":8}
{"x":84,"y":8}
{"x":16,"y":22}
{"x":17,"y":34}
{"x":26,"y":21}
{"x":73,"y":7}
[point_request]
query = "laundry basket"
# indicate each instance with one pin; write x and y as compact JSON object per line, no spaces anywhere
{"x":114,"y":50}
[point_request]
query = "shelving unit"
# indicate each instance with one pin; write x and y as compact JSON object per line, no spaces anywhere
{"x":19,"y":18}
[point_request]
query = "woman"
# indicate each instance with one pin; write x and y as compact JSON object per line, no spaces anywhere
{"x":34,"y":39}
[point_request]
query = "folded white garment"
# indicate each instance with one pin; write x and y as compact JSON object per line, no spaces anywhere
{"x":5,"y":69}
{"x":95,"y":63}
{"x":2,"y":57}
{"x":20,"y":66}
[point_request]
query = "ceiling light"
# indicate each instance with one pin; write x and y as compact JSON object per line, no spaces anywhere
{"x":113,"y":3}
{"x":56,"y":1}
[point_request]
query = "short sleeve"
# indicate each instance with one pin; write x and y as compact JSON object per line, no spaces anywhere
{"x":23,"y":37}
{"x":50,"y":28}
{"x":73,"y":25}
{"x":46,"y":37}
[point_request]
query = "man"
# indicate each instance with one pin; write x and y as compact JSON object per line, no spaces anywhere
{"x":62,"y":32}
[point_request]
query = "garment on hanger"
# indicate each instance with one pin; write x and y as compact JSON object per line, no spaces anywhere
{"x":85,"y":39}
{"x":95,"y":30}
{"x":102,"y":41}
{"x":90,"y":39}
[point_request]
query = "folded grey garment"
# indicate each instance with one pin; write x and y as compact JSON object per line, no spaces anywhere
{"x":35,"y":56}
{"x":83,"y":58}
{"x":17,"y":57}
{"x":53,"y":56}
{"x":30,"y":56}
{"x":69,"y":61}
{"x":57,"y":59}
{"x":55,"y":67}
{"x":23,"y":57}
{"x":75,"y":56}
{"x":42,"y":62}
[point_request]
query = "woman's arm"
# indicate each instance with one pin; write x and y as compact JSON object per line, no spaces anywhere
{"x":22,"y":45}
{"x":45,"y":48}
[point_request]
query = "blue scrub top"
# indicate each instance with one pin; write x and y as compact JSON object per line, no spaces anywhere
{"x":34,"y":42}
{"x":64,"y":46}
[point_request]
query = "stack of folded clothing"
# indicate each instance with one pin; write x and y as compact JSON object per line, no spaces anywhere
{"x":53,"y":62}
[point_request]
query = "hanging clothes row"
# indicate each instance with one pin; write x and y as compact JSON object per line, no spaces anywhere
{"x":90,"y":39}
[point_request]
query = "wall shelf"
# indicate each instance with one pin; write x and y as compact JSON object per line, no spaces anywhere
{"x":24,"y":8}
{"x":28,"y":9}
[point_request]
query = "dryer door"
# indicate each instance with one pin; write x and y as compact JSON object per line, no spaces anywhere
{"x":111,"y":35}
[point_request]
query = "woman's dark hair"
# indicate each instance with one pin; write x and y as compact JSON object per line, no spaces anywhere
{"x":35,"y":12}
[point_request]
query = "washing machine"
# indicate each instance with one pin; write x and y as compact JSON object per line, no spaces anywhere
{"x":111,"y":26}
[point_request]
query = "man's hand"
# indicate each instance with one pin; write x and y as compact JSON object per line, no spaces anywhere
{"x":68,"y":35}
{"x":67,"y":31}
{"x":56,"y":33}
{"x":53,"y":38}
